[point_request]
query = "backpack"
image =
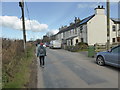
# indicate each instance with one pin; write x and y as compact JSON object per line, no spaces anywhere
{"x":41,"y":50}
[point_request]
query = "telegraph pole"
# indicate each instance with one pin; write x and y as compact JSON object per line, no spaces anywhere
{"x":21,"y":4}
{"x":108,"y":24}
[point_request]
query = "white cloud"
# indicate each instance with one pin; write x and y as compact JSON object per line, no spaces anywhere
{"x":54,"y":31}
{"x":16,"y":23}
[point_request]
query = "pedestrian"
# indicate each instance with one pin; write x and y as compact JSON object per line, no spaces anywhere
{"x":41,"y":53}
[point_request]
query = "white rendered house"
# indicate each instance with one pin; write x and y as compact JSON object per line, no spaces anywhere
{"x":91,"y":30}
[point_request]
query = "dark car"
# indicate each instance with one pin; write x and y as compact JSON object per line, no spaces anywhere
{"x":46,"y":44}
{"x":111,"y":57}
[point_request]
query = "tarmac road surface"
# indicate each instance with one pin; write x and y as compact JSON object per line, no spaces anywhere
{"x":64,"y":69}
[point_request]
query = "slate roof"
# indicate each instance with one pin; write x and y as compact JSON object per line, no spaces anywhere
{"x":86,"y":19}
{"x":116,"y":20}
{"x":77,"y":24}
{"x":71,"y":37}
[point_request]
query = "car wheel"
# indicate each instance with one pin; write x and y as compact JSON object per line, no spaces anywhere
{"x":100,"y":61}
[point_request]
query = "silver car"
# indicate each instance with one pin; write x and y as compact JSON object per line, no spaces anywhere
{"x":111,"y":57}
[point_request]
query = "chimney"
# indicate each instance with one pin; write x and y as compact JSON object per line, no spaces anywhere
{"x":77,"y":19}
{"x":65,"y":26}
{"x":100,"y":10}
{"x":102,"y":6}
{"x":98,"y":6}
{"x":71,"y":23}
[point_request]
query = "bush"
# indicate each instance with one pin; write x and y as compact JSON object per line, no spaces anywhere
{"x":11,"y":49}
{"x":77,"y":47}
{"x":82,"y":45}
{"x":72,"y":48}
{"x":12,"y":57}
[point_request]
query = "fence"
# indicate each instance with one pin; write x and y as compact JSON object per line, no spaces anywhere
{"x":103,"y":47}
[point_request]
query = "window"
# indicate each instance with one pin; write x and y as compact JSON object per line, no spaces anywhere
{"x":118,"y":39}
{"x":81,"y":39}
{"x":71,"y":42}
{"x":81,"y":28}
{"x":113,"y":28}
{"x":113,"y":40}
{"x":76,"y":41}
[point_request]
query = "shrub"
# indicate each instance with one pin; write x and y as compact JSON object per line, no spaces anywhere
{"x":77,"y":47}
{"x":12,"y":52}
{"x":82,"y":45}
{"x":72,"y":48}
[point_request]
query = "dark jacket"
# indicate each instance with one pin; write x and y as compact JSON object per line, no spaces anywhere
{"x":39,"y":51}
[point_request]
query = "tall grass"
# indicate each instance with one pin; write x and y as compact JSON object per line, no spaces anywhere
{"x":15,"y":64}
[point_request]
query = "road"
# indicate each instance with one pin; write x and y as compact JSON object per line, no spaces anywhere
{"x":66,"y":69}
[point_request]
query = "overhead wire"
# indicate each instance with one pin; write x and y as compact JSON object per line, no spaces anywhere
{"x":29,"y":18}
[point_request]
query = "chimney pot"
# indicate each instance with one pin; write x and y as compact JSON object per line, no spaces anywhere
{"x":102,"y":6}
{"x":98,"y":6}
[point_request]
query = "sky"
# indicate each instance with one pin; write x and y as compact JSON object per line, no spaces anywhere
{"x":43,"y":17}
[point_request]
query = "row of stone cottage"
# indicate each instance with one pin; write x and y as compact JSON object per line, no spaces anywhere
{"x":91,"y":30}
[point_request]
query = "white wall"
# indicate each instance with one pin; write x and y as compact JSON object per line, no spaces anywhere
{"x":61,"y":35}
{"x":113,"y":34}
{"x":74,"y":40}
{"x":84,"y":33}
{"x":97,"y":30}
{"x":99,"y":11}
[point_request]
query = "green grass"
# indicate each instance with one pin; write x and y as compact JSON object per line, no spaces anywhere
{"x":23,"y":74}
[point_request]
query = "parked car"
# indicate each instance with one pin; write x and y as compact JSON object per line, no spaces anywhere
{"x":47,"y":44}
{"x":55,"y":44}
{"x":110,"y":57}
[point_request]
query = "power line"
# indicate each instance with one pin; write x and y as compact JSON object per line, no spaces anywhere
{"x":28,"y":16}
{"x":27,"y":11}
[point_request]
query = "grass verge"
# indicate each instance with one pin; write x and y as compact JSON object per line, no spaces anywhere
{"x":21,"y":77}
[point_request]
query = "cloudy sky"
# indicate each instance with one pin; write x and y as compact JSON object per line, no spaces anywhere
{"x":45,"y":16}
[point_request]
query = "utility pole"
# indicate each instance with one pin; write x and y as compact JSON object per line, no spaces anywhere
{"x":21,"y":4}
{"x":108,"y":24}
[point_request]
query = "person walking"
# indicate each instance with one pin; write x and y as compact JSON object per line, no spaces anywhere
{"x":41,"y":53}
